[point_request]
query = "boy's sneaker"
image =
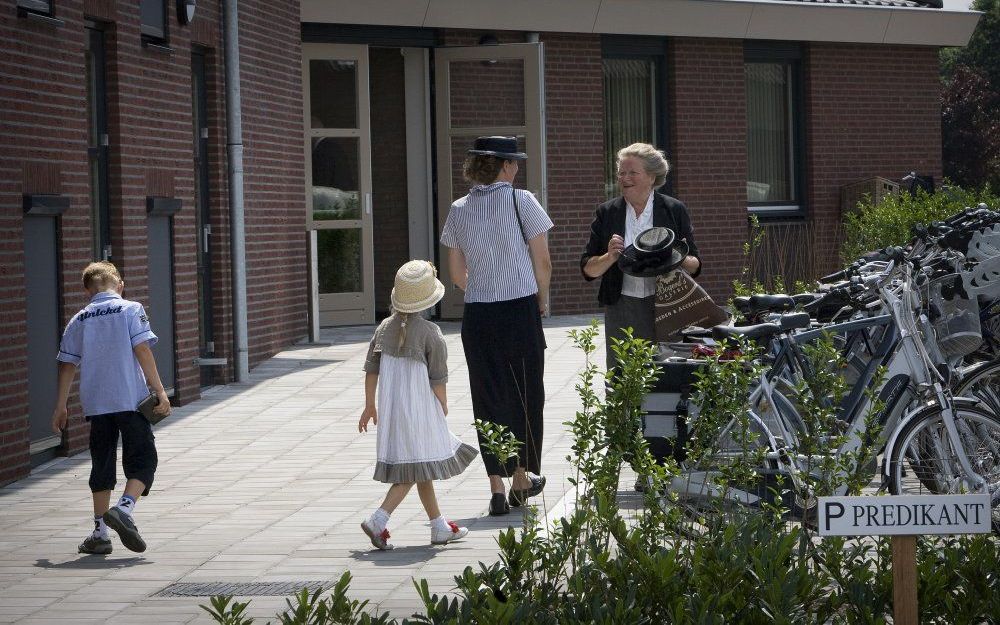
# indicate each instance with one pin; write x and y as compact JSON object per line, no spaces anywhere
{"x":95,"y":545}
{"x":451,"y":532}
{"x":127,"y":531}
{"x":379,"y":537}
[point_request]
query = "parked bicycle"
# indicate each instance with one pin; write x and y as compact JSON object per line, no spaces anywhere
{"x":905,"y":322}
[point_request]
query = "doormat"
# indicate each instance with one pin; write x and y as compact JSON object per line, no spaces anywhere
{"x":240,"y":589}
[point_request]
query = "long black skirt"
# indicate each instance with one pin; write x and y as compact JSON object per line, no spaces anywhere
{"x":505,"y":351}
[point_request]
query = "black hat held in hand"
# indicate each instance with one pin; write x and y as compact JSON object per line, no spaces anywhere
{"x":500,"y":147}
{"x":654,"y":252}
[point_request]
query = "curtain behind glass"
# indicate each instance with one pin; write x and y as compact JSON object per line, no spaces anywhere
{"x":768,"y":135}
{"x":628,"y":111}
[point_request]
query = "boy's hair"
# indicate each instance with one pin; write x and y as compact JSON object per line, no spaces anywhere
{"x":101,"y":275}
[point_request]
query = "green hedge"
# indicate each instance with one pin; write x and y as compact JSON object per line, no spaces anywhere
{"x":871,"y":227}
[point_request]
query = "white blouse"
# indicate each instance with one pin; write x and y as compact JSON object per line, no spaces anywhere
{"x":632,"y":286}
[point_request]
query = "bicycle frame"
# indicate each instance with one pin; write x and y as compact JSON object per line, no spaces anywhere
{"x":909,"y":367}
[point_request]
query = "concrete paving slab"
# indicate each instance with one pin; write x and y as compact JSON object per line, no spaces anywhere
{"x":267,"y":481}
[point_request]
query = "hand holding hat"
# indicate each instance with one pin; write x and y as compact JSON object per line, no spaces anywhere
{"x":656,"y":251}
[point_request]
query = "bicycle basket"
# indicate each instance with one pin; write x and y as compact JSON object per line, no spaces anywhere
{"x":958,"y":329}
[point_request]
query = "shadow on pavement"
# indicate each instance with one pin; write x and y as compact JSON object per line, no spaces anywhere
{"x":400,"y":556}
{"x":486,"y":522}
{"x":92,"y":563}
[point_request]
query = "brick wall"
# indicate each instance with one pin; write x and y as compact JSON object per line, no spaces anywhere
{"x":42,"y":150}
{"x":871,"y":111}
{"x":44,"y":131}
{"x":274,"y":185}
{"x":707,"y":114}
{"x":574,"y":102}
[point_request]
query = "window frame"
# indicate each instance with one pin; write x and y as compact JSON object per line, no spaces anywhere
{"x":647,"y":48}
{"x":151,"y":35}
{"x":789,"y":54}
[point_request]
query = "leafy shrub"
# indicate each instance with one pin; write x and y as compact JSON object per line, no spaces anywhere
{"x":890,"y":222}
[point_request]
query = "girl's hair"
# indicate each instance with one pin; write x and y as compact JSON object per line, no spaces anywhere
{"x":403,"y":318}
{"x":479,"y":169}
{"x":101,"y":275}
{"x":653,"y":161}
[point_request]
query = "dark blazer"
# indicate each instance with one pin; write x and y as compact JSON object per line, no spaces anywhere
{"x":610,"y":219}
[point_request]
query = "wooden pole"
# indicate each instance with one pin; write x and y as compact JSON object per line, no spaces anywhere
{"x":904,"y":580}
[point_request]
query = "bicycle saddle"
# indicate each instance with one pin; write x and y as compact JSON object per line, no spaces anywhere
{"x":794,"y":321}
{"x":776,"y":303}
{"x":759,"y":331}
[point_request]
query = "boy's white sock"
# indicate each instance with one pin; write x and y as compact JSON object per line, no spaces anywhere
{"x":440,"y":524}
{"x":100,"y":529}
{"x":126,"y":504}
{"x":379,"y":518}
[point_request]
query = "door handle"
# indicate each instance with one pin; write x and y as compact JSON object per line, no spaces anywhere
{"x":368,"y":203}
{"x":205,"y":231}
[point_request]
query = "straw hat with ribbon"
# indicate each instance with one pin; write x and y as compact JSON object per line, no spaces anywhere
{"x":416,"y":287}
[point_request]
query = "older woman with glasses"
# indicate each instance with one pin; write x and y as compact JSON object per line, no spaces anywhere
{"x":628,"y":301}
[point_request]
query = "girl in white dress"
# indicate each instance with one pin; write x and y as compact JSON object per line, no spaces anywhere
{"x":408,"y":365}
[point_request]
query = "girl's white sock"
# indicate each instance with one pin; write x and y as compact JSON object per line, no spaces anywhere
{"x":379,"y":518}
{"x":440,"y":523}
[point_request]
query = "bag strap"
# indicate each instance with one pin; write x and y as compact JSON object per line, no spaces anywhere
{"x":517,"y":211}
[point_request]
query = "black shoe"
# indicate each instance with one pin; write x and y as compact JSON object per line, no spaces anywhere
{"x":127,"y":531}
{"x":95,"y":546}
{"x":498,"y":505}
{"x":520,"y":496}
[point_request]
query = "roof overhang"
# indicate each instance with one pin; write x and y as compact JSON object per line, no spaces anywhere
{"x":733,"y":19}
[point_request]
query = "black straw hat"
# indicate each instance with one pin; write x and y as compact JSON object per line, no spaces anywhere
{"x":500,"y":147}
{"x":654,"y":252}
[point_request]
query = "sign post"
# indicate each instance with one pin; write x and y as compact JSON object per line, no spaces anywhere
{"x":904,"y":517}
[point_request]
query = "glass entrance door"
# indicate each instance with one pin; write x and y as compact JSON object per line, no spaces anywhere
{"x":486,"y":90}
{"x":338,"y":180}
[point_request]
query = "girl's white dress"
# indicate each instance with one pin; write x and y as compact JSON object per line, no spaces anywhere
{"x":413,"y":441}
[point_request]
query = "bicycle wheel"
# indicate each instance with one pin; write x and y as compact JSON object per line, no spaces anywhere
{"x":982,"y":383}
{"x":734,"y":470}
{"x":924,"y":461}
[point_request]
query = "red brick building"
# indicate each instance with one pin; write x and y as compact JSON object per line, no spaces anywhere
{"x":355,"y":118}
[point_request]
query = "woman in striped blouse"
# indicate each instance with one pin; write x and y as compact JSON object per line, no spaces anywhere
{"x":499,"y":256}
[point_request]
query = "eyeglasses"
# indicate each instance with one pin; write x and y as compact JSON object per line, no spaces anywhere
{"x":633,"y":173}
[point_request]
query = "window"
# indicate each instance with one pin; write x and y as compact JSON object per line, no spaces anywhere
{"x":774,"y":129}
{"x":98,"y":143}
{"x":633,"y":98}
{"x":154,"y":20}
{"x":41,"y":7}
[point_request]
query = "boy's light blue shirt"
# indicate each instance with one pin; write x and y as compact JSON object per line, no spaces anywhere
{"x":99,"y":340}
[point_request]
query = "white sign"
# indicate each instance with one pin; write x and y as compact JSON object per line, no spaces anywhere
{"x":897,"y":515}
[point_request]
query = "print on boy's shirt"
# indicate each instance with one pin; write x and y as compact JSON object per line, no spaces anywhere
{"x":100,"y":313}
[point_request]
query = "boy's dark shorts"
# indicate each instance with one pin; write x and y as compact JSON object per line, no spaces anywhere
{"x":138,"y":449}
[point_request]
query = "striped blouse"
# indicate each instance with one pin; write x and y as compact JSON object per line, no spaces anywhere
{"x":484,"y":226}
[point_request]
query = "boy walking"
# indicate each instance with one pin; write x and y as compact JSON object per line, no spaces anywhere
{"x":110,"y":340}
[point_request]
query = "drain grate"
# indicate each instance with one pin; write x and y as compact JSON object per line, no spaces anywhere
{"x":239,"y":589}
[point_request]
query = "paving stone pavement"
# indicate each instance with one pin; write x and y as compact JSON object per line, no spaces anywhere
{"x":267,"y":481}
